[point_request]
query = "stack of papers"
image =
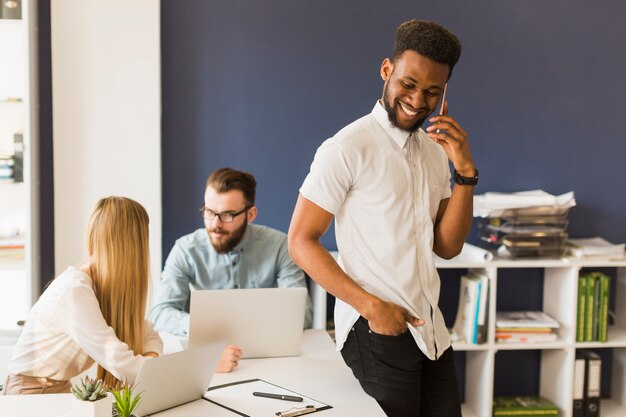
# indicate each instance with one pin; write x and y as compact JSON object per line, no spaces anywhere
{"x":595,"y":247}
{"x":492,"y":204}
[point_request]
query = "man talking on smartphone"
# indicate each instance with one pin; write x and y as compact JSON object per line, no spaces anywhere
{"x":386,"y":182}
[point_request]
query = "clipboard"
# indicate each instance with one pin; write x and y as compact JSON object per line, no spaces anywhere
{"x":237,"y":397}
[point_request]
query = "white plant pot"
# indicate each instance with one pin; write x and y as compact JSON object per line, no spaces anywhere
{"x":101,"y":408}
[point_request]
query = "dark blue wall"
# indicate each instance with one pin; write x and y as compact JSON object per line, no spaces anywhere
{"x":259,"y":85}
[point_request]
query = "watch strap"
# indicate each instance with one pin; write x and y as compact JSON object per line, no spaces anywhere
{"x":461,"y":180}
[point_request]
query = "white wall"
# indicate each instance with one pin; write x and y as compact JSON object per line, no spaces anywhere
{"x":12,"y":64}
{"x":106,"y":93}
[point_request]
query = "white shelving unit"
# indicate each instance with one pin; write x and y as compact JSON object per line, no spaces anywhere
{"x":560,"y":287}
{"x":19,"y":271}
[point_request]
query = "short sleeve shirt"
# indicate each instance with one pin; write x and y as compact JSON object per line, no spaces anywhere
{"x":384,"y":187}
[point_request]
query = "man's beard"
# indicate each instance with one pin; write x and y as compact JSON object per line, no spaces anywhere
{"x":232,"y":240}
{"x":392,"y":113}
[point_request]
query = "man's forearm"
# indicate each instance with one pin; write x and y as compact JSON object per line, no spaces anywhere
{"x":171,"y":320}
{"x":455,"y":223}
{"x":319,"y":264}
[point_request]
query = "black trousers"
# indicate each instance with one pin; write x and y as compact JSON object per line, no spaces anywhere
{"x":393,"y":371}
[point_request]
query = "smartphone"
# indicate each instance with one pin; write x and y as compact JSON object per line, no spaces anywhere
{"x":443,"y":100}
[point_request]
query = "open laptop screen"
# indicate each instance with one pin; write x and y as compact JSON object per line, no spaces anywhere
{"x":265,"y":322}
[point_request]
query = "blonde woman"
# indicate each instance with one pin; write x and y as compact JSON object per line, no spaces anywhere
{"x":94,"y":312}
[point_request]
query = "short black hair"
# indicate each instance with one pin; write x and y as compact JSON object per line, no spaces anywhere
{"x":227,"y":179}
{"x":429,"y":39}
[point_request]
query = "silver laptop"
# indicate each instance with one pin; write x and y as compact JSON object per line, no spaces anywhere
{"x":178,"y":378}
{"x":265,"y":322}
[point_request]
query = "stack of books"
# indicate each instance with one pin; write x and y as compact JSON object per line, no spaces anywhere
{"x":470,"y":325}
{"x":525,"y":327}
{"x":592,"y":320}
{"x":11,"y":244}
{"x":524,"y":407}
{"x":525,"y":225}
{"x":6,"y":168}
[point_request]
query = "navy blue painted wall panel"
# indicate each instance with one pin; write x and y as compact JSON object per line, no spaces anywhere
{"x":259,"y":85}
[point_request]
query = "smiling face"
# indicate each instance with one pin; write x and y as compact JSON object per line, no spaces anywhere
{"x":225,"y":236}
{"x":413,"y":87}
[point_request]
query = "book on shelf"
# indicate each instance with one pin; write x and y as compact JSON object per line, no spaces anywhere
{"x":527,"y":319}
{"x":525,"y":337}
{"x":524,"y":406}
{"x":483,"y":306}
{"x":471,"y":319}
{"x":466,"y":314}
{"x":594,"y":247}
{"x":11,"y":243}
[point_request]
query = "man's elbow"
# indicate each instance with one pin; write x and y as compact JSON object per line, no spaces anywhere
{"x":294,"y":246}
{"x":448,"y":252}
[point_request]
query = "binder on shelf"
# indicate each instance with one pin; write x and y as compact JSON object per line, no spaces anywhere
{"x":589,"y":303}
{"x":593,"y":307}
{"x":595,"y":326}
{"x":593,"y":365}
{"x":579,"y":386}
{"x":603,"y":314}
{"x":580,"y":312}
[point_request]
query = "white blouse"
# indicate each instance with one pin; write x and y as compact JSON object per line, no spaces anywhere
{"x":65,"y":333}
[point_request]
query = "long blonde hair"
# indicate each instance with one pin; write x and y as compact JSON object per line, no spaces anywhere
{"x":117,"y":244}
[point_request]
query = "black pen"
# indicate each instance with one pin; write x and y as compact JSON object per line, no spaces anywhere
{"x":278,"y":396}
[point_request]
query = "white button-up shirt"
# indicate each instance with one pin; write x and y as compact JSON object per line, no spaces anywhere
{"x":384,"y":187}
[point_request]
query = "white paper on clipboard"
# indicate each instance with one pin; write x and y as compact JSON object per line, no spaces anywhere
{"x":238,"y":398}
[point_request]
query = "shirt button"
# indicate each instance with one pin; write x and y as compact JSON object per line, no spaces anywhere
{"x":234,"y":263}
{"x":236,"y":286}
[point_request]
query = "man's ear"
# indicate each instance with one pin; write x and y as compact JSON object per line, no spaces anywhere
{"x":252,"y":212}
{"x":386,"y":69}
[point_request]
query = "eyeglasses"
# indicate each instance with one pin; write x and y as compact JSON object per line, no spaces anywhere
{"x":225,"y":216}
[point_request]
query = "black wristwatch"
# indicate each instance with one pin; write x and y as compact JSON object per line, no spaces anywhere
{"x":461,"y":180}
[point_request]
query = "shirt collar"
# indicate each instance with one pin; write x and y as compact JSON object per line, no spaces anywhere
{"x":398,"y":135}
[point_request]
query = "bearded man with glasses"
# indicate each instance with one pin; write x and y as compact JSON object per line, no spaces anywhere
{"x":228,"y":252}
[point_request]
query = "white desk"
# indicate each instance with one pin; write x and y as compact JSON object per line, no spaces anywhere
{"x":319,"y":372}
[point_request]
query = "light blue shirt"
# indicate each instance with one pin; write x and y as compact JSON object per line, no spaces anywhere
{"x":260,"y":260}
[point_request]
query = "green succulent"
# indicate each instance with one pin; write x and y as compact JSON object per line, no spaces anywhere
{"x":125,"y":402}
{"x":89,"y":389}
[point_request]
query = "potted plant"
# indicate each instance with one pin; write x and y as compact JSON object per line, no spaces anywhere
{"x":91,"y":399}
{"x":125,"y":400}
